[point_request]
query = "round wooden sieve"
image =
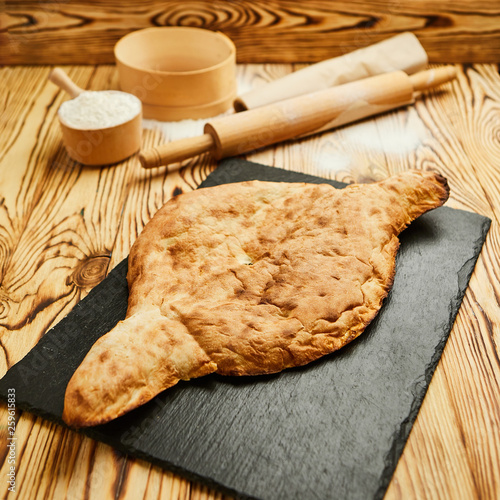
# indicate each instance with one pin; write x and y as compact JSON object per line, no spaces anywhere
{"x":178,"y":72}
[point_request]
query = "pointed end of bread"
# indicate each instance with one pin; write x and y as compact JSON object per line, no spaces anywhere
{"x":87,"y":405}
{"x":440,"y":187}
{"x":141,"y":357}
{"x":74,"y":416}
{"x":416,"y":192}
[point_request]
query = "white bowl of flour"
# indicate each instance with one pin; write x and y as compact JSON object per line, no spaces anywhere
{"x":93,"y":110}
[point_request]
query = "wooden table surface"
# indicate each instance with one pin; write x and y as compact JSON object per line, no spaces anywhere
{"x":63,"y":227}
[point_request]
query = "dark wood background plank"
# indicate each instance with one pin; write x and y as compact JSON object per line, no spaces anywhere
{"x":76,"y":32}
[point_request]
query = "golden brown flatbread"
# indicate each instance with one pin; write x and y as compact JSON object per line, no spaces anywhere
{"x":246,"y":279}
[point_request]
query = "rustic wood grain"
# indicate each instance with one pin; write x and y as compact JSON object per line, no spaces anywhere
{"x":462,"y":409}
{"x":64,"y":226}
{"x":76,"y":32}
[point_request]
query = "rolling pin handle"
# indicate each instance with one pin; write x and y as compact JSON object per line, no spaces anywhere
{"x":63,"y":81}
{"x":176,"y":151}
{"x":431,"y":78}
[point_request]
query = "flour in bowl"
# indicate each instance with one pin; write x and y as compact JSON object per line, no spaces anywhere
{"x":93,"y":110}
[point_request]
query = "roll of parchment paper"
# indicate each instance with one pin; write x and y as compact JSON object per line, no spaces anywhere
{"x":400,"y":52}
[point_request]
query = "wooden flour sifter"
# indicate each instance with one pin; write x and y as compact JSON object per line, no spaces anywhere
{"x":299,"y":116}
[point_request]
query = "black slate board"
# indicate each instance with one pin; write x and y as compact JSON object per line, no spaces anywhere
{"x":332,"y":429}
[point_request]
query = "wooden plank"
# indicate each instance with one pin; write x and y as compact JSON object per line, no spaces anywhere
{"x":62,"y":228}
{"x":453,"y":450}
{"x":456,"y":438}
{"x":76,"y":32}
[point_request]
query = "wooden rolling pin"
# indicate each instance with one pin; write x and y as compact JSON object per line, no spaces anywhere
{"x":299,"y":116}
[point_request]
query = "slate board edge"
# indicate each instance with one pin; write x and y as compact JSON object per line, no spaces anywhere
{"x":400,"y":437}
{"x":229,"y":167}
{"x":135,"y":453}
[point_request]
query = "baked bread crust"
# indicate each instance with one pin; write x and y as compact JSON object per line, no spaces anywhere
{"x":245,"y":279}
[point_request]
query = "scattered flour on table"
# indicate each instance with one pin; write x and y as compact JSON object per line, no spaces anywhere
{"x":181,"y":129}
{"x":93,"y":110}
{"x":385,"y":135}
